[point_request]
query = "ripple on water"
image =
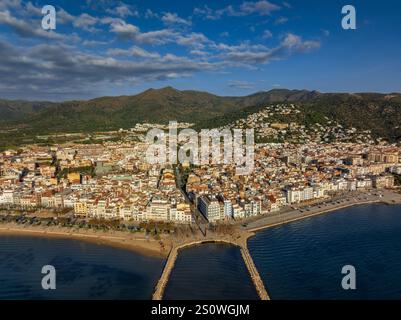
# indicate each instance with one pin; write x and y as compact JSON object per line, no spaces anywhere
{"x":303,"y":259}
{"x":210,"y":271}
{"x":84,"y":270}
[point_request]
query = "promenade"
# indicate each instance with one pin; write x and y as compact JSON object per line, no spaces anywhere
{"x":328,"y":206}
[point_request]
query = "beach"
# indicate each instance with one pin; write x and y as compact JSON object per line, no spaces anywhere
{"x":246,"y":228}
{"x":169,"y":246}
{"x":137,"y":243}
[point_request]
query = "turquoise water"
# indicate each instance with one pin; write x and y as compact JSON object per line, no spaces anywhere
{"x":303,"y":259}
{"x":83,"y":270}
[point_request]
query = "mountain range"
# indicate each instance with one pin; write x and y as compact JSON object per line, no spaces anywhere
{"x":380,"y":113}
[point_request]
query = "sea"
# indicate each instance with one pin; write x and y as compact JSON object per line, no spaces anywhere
{"x":83,"y":270}
{"x":301,"y":260}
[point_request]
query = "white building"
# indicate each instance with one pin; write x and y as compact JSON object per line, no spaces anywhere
{"x":210,"y":208}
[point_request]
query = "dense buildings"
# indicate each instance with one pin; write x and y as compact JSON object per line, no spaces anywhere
{"x":113,"y":180}
{"x":105,"y":182}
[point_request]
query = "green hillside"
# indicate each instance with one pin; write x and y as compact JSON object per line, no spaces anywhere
{"x":23,"y":120}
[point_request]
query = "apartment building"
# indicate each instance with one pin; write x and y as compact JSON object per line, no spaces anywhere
{"x":210,"y":208}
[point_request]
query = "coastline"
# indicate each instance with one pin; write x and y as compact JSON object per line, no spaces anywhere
{"x":147,"y":247}
{"x":389,"y":198}
{"x":151,"y":247}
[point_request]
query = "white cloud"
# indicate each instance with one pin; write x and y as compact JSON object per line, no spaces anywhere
{"x":10,"y":4}
{"x":262,"y":8}
{"x":32,"y":9}
{"x":267,"y":34}
{"x":123,"y":10}
{"x":150,"y":14}
{"x":208,"y":13}
{"x":194,"y":40}
{"x":64,"y":17}
{"x":172,"y":18}
{"x":93,"y":43}
{"x":70,"y":67}
{"x":83,"y":21}
{"x":281,"y":20}
{"x":250,"y":55}
{"x":59,"y":66}
{"x":25,"y":29}
{"x":86,"y":22}
{"x":131,"y":32}
{"x":134,"y":51}
{"x":293,"y":41}
{"x":199,"y":53}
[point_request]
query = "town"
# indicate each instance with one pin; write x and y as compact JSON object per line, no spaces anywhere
{"x":110,"y":179}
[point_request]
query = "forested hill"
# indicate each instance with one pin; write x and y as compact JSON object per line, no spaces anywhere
{"x":380,"y":113}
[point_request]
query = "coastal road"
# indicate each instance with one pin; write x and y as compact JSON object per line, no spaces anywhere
{"x":199,"y":218}
{"x":329,"y":205}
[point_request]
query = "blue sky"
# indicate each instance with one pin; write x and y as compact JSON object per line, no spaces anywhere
{"x":224,"y":47}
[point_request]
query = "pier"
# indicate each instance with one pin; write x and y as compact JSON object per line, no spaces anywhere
{"x":240,"y":242}
{"x":253,"y":272}
{"x":168,"y":267}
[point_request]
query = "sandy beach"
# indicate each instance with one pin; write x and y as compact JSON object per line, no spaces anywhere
{"x":137,"y":243}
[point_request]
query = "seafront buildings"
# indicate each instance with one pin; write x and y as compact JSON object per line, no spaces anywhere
{"x":289,"y":175}
{"x":113,"y":180}
{"x":96,"y":181}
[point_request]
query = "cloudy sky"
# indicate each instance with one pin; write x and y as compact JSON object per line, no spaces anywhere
{"x":225,"y":47}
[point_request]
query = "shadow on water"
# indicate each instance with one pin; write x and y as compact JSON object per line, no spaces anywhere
{"x":210,"y":271}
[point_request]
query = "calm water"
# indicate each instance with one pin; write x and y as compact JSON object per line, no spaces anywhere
{"x":84,"y":270}
{"x":300,"y":260}
{"x":303,"y":260}
{"x":210,"y":271}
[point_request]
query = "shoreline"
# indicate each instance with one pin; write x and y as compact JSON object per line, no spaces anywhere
{"x":294,"y":215}
{"x":150,"y":248}
{"x":311,"y":215}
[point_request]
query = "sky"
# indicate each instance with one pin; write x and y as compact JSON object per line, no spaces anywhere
{"x":110,"y":48}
